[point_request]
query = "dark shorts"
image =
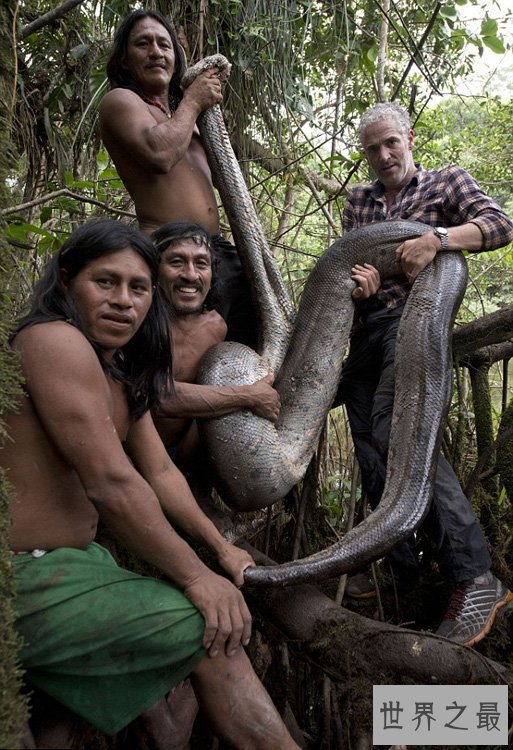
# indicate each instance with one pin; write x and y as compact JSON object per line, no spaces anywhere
{"x":104,"y":642}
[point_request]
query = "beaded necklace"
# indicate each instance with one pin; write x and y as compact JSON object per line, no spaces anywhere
{"x":156,"y":103}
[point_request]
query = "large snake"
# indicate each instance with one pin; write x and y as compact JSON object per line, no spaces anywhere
{"x":257,"y":463}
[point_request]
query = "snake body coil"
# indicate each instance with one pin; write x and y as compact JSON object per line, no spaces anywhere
{"x":256,"y":462}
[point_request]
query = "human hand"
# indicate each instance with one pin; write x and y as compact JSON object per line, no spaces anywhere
{"x":265,"y":400}
{"x":234,"y":561}
{"x":206,"y":89}
{"x":226,"y":614}
{"x":414,"y":255}
{"x":368,"y":280}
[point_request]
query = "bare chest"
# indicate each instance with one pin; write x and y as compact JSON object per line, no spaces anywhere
{"x":192,"y":343}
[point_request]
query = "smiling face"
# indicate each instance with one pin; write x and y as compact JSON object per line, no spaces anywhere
{"x":185,"y":275}
{"x":150,"y":57}
{"x":389,"y":152}
{"x":112,"y":295}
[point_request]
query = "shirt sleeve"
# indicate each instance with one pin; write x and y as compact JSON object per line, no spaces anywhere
{"x":467,"y":203}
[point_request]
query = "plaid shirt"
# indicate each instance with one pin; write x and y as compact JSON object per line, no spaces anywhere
{"x":446,"y":197}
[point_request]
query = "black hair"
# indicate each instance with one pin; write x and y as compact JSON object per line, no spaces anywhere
{"x":175,"y":231}
{"x":119,"y":77}
{"x":144,"y":364}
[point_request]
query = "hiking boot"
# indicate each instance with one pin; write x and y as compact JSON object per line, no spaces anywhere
{"x":361,"y":585}
{"x":473,"y":608}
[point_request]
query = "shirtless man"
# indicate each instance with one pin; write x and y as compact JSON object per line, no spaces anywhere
{"x":148,"y":125}
{"x":186,"y":277}
{"x":101,"y":640}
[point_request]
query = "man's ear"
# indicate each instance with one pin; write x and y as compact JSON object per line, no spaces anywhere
{"x":411,"y":138}
{"x":64,"y":277}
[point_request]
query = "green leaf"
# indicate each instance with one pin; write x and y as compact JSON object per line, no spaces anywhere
{"x":489,"y":27}
{"x":20,"y":231}
{"x":495,"y":44}
{"x":372,"y":53}
{"x":102,"y":159}
{"x":108,"y":174}
{"x":449,"y":11}
{"x":45,"y":215}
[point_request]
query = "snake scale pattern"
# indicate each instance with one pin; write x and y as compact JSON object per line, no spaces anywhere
{"x":256,"y":462}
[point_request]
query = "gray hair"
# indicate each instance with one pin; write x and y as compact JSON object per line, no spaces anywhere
{"x":385,"y":111}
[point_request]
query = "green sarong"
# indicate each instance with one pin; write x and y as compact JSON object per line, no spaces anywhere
{"x":103,"y":641}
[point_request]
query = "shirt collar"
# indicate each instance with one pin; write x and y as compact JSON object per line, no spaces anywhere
{"x":377,"y":189}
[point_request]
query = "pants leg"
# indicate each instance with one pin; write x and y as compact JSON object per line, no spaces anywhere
{"x":462,"y":550}
{"x":364,"y":376}
{"x":462,"y":553}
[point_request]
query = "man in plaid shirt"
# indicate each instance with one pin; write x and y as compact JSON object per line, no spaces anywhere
{"x":462,"y":216}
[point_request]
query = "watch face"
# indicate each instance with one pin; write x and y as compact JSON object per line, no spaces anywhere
{"x":442,"y":231}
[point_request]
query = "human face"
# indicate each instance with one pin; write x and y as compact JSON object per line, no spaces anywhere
{"x":150,"y":56}
{"x":113,"y":295}
{"x":389,"y":152}
{"x":185,"y":275}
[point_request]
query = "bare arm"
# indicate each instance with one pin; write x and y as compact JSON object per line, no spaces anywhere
{"x":205,"y":401}
{"x":157,"y":147}
{"x":149,"y":455}
{"x":74,"y":403}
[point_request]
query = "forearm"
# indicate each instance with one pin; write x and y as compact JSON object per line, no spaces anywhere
{"x":465,"y":237}
{"x":180,"y":506}
{"x":167,"y":143}
{"x":205,"y":401}
{"x":133,"y":513}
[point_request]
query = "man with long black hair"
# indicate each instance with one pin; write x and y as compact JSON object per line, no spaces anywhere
{"x":148,"y":125}
{"x":103,"y":641}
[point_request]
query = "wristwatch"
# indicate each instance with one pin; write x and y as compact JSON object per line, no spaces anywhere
{"x":443,"y":236}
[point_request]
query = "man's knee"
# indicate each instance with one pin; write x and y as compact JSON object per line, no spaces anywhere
{"x":381,"y":426}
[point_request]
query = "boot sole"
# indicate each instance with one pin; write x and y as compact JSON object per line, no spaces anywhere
{"x":491,"y":619}
{"x":368,"y":595}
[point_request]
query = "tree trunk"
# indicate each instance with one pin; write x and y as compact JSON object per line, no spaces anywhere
{"x":483,"y":418}
{"x":505,"y":451}
{"x":13,"y":711}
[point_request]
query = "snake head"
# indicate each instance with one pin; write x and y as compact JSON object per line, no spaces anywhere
{"x":214,"y":61}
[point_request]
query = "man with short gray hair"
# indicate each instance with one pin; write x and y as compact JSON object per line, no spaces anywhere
{"x":462,"y":216}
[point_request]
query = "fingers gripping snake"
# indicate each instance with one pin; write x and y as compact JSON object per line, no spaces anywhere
{"x":256,"y":462}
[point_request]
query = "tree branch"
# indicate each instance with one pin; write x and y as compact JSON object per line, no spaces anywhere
{"x":487,"y":355}
{"x":48,"y":18}
{"x":417,"y":49}
{"x":494,"y":328}
{"x":382,"y":52}
{"x":477,"y":472}
{"x":68,"y":194}
{"x":275,"y":164}
{"x":321,"y":631}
